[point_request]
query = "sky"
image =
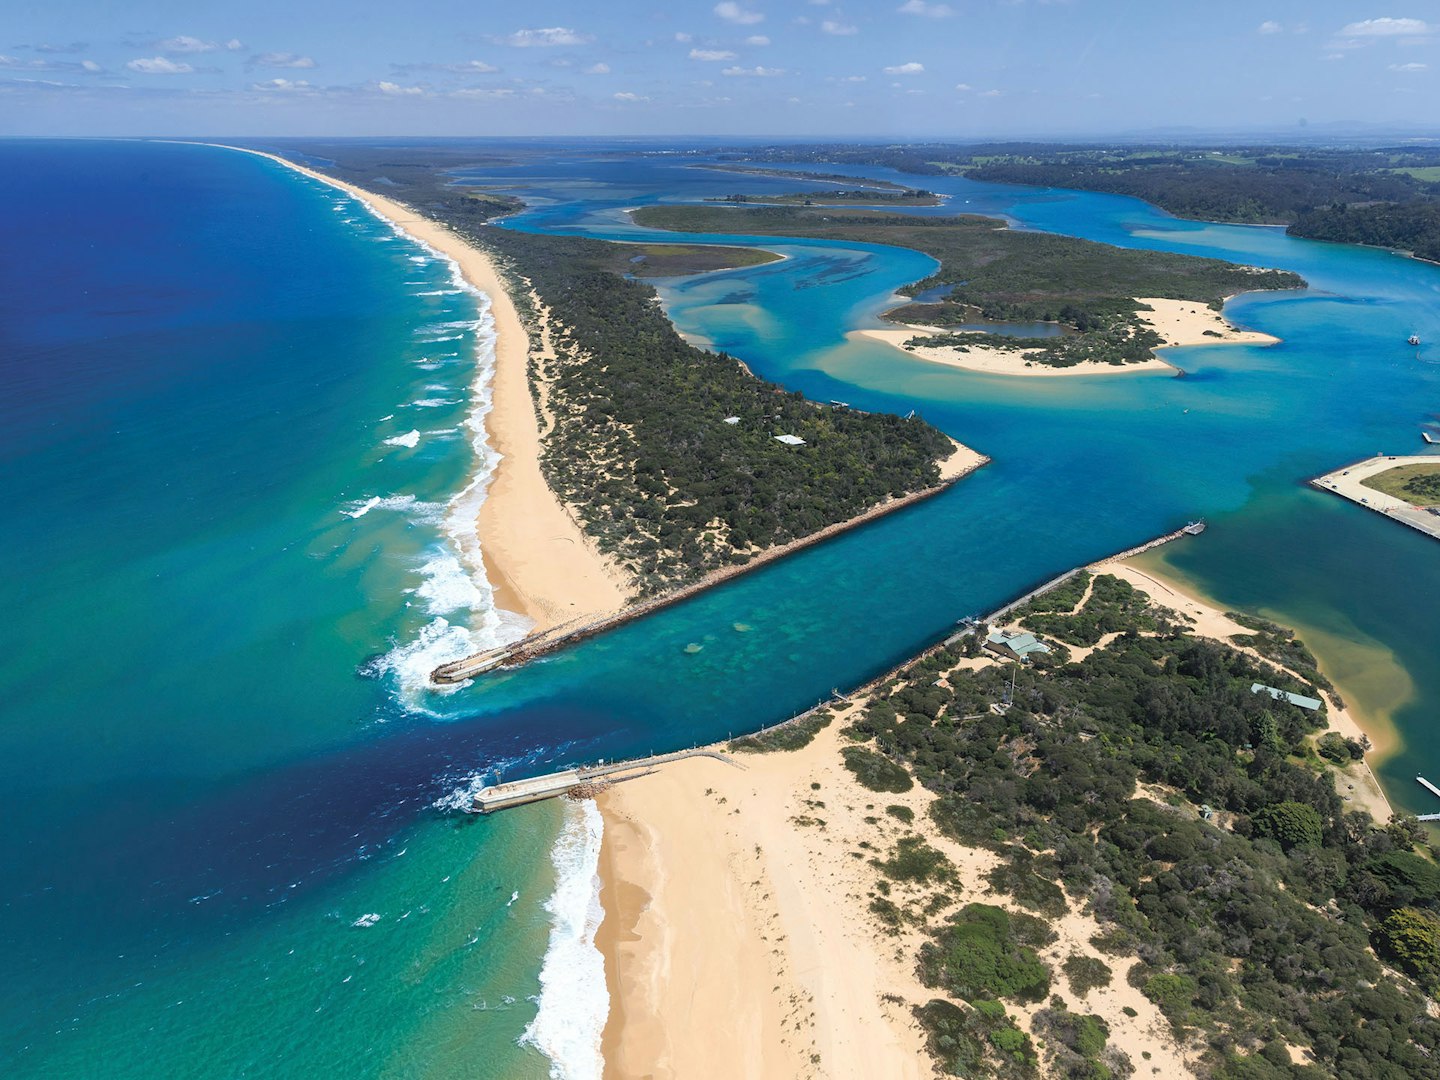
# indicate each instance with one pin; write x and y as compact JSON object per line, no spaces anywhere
{"x":843,"y":68}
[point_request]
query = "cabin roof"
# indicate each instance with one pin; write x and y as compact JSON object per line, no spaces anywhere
{"x":1284,"y":695}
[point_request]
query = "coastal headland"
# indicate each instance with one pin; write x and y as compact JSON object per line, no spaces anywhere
{"x":792,"y":919}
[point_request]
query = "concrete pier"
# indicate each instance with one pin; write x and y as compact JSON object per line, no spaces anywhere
{"x":582,"y":780}
{"x":1347,"y":484}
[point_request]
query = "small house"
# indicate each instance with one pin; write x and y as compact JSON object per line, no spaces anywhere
{"x":790,"y":440}
{"x":1014,"y":646}
{"x":732,"y":420}
{"x":1299,"y":700}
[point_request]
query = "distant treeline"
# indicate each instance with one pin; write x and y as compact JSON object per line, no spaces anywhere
{"x":1312,"y":190}
{"x":1000,"y":274}
{"x":1283,"y":934}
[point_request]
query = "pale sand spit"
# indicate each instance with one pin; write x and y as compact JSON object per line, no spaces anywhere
{"x":1179,"y":322}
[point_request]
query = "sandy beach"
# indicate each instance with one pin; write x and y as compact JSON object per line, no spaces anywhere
{"x":537,"y":559}
{"x":738,"y":939}
{"x":1179,"y":322}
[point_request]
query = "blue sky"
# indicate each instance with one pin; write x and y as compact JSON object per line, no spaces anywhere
{"x":957,"y":68}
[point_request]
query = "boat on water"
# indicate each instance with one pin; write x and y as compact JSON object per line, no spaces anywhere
{"x":1414,"y":339}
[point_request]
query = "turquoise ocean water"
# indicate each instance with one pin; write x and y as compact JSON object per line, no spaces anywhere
{"x":238,"y":451}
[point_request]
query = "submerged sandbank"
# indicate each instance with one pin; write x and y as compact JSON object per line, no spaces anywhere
{"x":537,"y":559}
{"x":1179,"y":322}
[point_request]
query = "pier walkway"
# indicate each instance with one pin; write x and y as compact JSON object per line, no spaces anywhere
{"x":582,"y":780}
{"x":1347,"y":484}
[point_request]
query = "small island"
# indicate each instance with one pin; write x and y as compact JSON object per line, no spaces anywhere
{"x":1111,"y":307}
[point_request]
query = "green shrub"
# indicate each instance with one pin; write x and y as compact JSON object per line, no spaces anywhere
{"x":1293,"y":824}
{"x":977,"y":956}
{"x":1086,"y":973}
{"x":901,"y":813}
{"x":876,"y":772}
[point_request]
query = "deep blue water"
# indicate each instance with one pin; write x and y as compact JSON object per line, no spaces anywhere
{"x":210,"y":779}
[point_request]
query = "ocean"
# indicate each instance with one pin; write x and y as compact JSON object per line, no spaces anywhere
{"x":242,"y":452}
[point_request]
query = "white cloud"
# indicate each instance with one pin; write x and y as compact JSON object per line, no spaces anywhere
{"x":625,"y":95}
{"x":91,"y":66}
{"x":854,"y":78}
{"x":757,"y":39}
{"x":755,"y":72}
{"x":927,"y":10}
{"x":473,"y":67}
{"x":992,"y":93}
{"x":912,"y":68}
{"x":545,"y":37}
{"x":684,"y":38}
{"x":598,"y":69}
{"x":282,"y":60}
{"x":1387,"y":28}
{"x":1409,"y":67}
{"x":234,"y":45}
{"x":963,"y":87}
{"x":184,"y":43}
{"x":483,"y":93}
{"x":282,"y":85}
{"x":730,"y":11}
{"x":830,"y":26}
{"x":711,"y":54}
{"x":396,"y":90}
{"x":158,"y":65}
{"x":1269,"y":26}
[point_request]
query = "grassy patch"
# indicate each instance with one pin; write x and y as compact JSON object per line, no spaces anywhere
{"x":1418,"y":485}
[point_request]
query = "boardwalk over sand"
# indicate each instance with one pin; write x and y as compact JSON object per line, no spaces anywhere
{"x":1347,"y":484}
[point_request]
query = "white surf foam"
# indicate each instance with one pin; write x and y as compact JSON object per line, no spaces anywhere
{"x":432,"y":403}
{"x":409,"y":663}
{"x":420,"y":510}
{"x":410,"y":439}
{"x":574,"y":1001}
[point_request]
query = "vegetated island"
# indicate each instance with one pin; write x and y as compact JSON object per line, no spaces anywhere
{"x":844,"y":197}
{"x":1386,"y":196}
{"x":1115,"y":860}
{"x":1116,"y":305}
{"x":634,"y":464}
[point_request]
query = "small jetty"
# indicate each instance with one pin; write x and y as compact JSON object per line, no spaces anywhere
{"x":1428,"y":786}
{"x":581,"y":782}
{"x":1429,"y":438}
{"x":1348,"y":483}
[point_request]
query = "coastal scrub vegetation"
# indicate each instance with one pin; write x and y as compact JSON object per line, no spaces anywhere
{"x":1147,"y":785}
{"x":996,"y":274}
{"x":633,"y":417}
{"x":636,"y":439}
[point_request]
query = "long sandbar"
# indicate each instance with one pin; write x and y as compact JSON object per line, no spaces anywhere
{"x":537,"y":558}
{"x":1179,"y":322}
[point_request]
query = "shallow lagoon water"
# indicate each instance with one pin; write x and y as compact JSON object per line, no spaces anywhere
{"x":223,"y":776}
